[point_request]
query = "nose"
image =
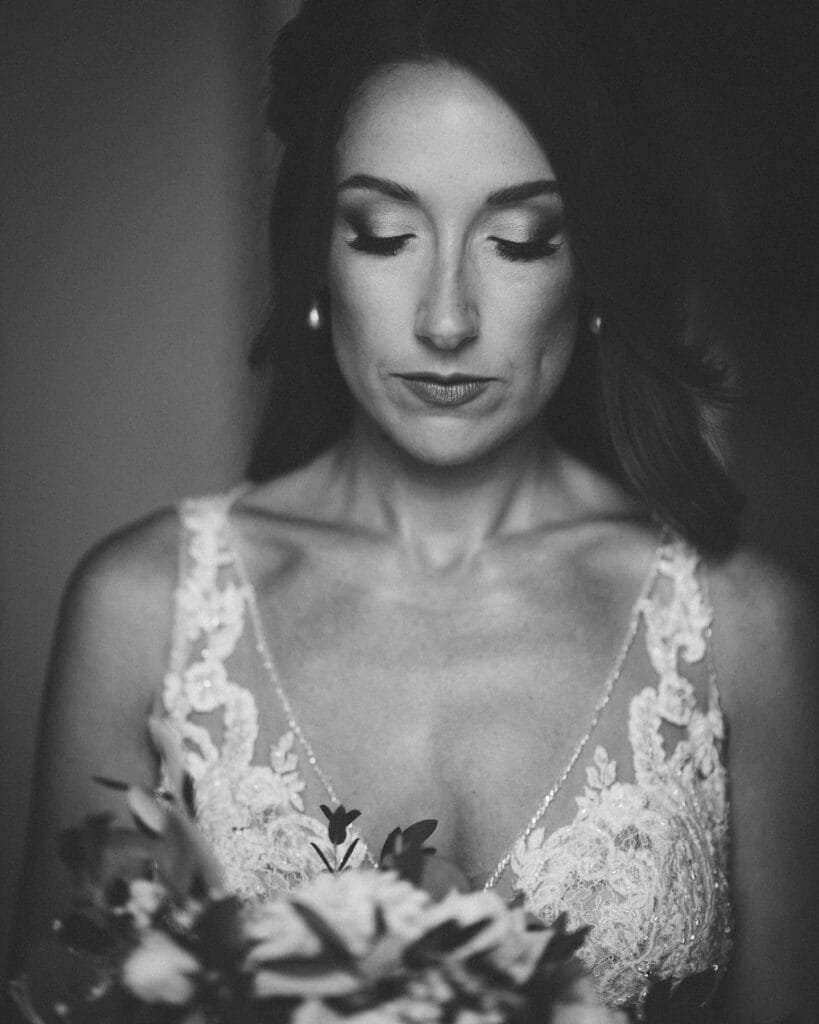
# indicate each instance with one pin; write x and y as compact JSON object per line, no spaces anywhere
{"x":447,"y":316}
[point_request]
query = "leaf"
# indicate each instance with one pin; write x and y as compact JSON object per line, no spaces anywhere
{"x":306,"y":966}
{"x":126,"y":854}
{"x":81,"y":847}
{"x":146,"y":810}
{"x":686,"y":1002}
{"x":656,"y":1004}
{"x":184,"y":858}
{"x":101,"y":780}
{"x":21,"y":997}
{"x":327,"y":934}
{"x":319,"y":851}
{"x":189,"y":794}
{"x":197,"y":889}
{"x":388,"y":849}
{"x":442,"y":939}
{"x":403,"y":850}
{"x":308,"y":984}
{"x":417,"y":834}
{"x":219,"y":933}
{"x":117,"y":893}
{"x":562,"y":982}
{"x":697,"y":990}
{"x":170,"y":747}
{"x":408,"y":863}
{"x":348,"y":854}
{"x":563,"y":945}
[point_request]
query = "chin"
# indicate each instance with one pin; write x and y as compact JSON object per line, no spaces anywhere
{"x":448,"y":449}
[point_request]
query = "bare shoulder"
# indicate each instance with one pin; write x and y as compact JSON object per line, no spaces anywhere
{"x":121,"y":590}
{"x":136,"y":559}
{"x":619,"y":548}
{"x":766,"y":630}
{"x":107,"y":663}
{"x":610,"y":534}
{"x":111,"y":648}
{"x":767,"y":659}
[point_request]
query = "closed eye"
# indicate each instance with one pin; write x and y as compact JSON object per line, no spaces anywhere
{"x":379,"y":245}
{"x":535,"y":249}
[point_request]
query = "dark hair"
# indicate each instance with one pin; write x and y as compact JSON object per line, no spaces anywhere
{"x":634,"y":396}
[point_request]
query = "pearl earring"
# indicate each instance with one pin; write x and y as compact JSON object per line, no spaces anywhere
{"x":596,"y":324}
{"x":315,"y":320}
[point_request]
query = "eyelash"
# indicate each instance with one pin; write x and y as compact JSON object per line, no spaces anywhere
{"x":536,"y":249}
{"x":391,"y":245}
{"x":378,"y":245}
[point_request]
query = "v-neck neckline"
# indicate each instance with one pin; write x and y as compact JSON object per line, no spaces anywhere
{"x":265,"y":654}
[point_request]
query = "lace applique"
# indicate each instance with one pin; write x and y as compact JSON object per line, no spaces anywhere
{"x":644,"y":863}
{"x":253,"y":815}
{"x":676,"y":630}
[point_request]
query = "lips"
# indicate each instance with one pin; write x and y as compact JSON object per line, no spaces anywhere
{"x":445,"y":390}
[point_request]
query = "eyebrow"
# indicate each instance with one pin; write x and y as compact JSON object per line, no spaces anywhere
{"x":507,"y":196}
{"x":525,"y":190}
{"x":383,"y":185}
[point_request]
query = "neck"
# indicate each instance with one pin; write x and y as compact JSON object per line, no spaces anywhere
{"x":444,"y":515}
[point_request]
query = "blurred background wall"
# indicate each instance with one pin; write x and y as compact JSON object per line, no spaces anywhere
{"x":134,"y":180}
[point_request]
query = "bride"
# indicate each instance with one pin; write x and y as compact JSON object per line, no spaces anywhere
{"x":433,"y":601}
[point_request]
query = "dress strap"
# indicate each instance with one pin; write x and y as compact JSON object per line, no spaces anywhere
{"x":203,"y":555}
{"x":678,"y":620}
{"x":714,"y":699}
{"x":597,"y":711}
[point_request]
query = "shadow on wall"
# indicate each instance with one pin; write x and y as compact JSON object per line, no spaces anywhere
{"x":738,"y":76}
{"x":134,"y":177}
{"x":757,"y":61}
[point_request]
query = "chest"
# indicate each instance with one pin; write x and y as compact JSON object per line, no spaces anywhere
{"x":466,"y":703}
{"x":459,"y":702}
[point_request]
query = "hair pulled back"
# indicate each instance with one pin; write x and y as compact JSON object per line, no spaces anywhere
{"x":634,"y":396}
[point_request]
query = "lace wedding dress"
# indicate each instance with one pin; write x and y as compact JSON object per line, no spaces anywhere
{"x":643,"y":861}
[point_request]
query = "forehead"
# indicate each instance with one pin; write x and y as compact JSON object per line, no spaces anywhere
{"x":438,"y":129}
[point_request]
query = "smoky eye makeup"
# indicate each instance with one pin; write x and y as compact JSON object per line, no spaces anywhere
{"x":537,"y":248}
{"x":525,"y":237}
{"x":381,"y":217}
{"x":374,"y":231}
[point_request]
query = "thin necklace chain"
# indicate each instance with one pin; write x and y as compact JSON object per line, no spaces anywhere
{"x":266,"y":657}
{"x":599,"y":707}
{"x":263,"y":651}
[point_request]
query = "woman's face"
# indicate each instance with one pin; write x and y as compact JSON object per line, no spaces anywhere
{"x":453,"y":289}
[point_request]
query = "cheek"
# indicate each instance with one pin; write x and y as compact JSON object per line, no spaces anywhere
{"x":545,"y":315}
{"x":366,"y":307}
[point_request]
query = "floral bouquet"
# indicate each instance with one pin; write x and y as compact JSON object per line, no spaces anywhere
{"x":152,"y":938}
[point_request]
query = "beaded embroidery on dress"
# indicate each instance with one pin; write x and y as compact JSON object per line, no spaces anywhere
{"x":643,"y":862}
{"x":252,"y":814}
